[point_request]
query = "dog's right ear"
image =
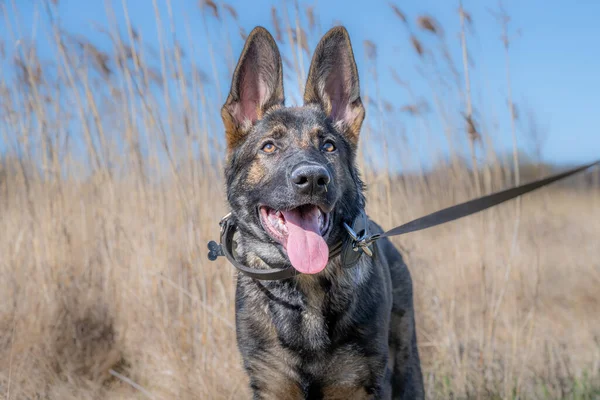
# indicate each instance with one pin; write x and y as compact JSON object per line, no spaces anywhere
{"x":333,"y":83}
{"x":257,"y":86}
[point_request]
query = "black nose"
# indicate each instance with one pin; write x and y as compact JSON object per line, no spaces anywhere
{"x":310,"y":179}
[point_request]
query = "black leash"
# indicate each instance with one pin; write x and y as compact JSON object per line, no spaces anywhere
{"x":470,"y":207}
{"x":359,"y":240}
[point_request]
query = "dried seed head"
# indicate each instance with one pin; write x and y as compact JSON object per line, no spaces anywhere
{"x":397,"y":78}
{"x":370,"y":49}
{"x":428,"y":23}
{"x":287,"y":62}
{"x":418,"y":108}
{"x":179,"y":49}
{"x":200,"y":75}
{"x":101,"y":60}
{"x":515,"y":111}
{"x":154,"y":76}
{"x":474,"y":135}
{"x":310,"y":14}
{"x":387,"y":106}
{"x":232,"y":11}
{"x":276,"y":24}
{"x":304,"y":41}
{"x":465,"y":15}
{"x":29,"y":73}
{"x":417,"y":45}
{"x":212,"y":6}
{"x":409,"y":108}
{"x":399,"y":13}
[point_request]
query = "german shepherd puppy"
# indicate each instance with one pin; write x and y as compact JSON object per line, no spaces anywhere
{"x":330,"y":332}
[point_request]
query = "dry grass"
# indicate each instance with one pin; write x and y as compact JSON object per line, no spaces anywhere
{"x":110,"y":187}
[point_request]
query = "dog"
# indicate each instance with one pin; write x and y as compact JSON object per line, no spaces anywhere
{"x":329,"y":332}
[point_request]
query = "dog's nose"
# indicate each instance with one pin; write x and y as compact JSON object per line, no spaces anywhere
{"x":310,"y":179}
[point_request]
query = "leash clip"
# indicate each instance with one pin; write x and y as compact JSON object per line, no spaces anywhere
{"x":215,"y":250}
{"x":361,"y":242}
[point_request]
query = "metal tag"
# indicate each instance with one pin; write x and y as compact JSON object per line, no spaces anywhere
{"x":214,"y":250}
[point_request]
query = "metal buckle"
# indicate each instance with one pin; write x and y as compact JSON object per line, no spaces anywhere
{"x":361,"y":242}
{"x":215,"y":250}
{"x":223,"y":221}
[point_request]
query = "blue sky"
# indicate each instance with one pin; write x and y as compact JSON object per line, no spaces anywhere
{"x":555,"y":58}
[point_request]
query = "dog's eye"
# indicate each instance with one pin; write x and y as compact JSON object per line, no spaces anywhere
{"x":328,"y":147}
{"x":268,"y":147}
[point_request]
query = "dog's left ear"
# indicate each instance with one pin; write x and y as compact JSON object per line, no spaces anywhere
{"x":257,"y":86}
{"x":333,"y":83}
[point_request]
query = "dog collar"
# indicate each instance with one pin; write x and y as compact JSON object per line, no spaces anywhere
{"x":359,"y":240}
{"x":350,"y":249}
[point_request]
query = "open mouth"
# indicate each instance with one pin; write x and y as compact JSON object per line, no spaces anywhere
{"x":301,"y":231}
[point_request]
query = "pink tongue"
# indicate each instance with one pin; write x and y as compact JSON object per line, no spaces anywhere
{"x":305,"y":246}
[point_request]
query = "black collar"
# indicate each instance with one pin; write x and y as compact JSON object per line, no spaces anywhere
{"x":350,"y":249}
{"x":360,"y":241}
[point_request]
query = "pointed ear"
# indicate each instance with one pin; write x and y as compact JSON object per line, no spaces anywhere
{"x":257,"y":86}
{"x":333,"y":83}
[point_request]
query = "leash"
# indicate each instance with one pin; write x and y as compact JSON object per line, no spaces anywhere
{"x":359,"y":240}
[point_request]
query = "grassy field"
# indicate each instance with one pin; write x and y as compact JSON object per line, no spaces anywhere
{"x":111,"y":185}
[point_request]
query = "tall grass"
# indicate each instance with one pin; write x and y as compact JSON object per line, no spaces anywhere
{"x":111,"y":185}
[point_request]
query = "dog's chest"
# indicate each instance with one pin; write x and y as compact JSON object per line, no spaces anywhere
{"x":314,"y":357}
{"x":312,"y":336}
{"x":305,"y":314}
{"x":300,"y":322}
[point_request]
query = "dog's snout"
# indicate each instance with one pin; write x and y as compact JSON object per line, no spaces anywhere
{"x":310,"y":179}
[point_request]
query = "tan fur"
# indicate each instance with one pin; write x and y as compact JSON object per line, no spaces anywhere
{"x":309,"y":137}
{"x":313,"y":322}
{"x":353,"y":130}
{"x":275,"y":375}
{"x":306,"y":141}
{"x":233,"y":133}
{"x":278,"y":131}
{"x":345,"y":393}
{"x":312,"y":94}
{"x":276,"y":380}
{"x":256,"y":172}
{"x":346,"y":368}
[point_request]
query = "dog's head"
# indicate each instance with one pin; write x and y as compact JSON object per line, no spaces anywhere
{"x":291,"y":175}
